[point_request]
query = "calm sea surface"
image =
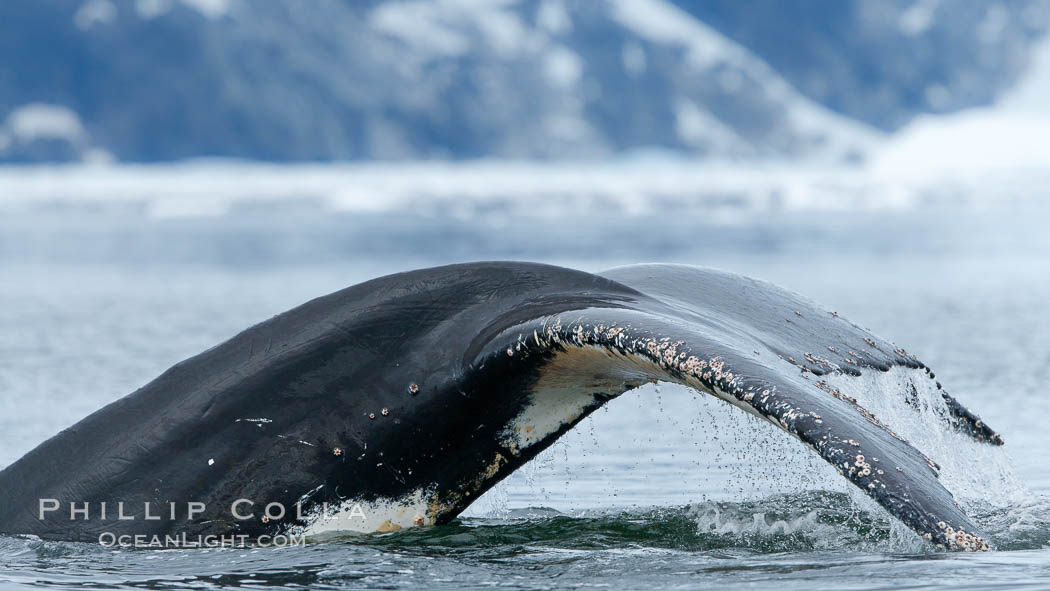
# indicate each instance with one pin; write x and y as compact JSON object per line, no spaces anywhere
{"x":661,"y":488}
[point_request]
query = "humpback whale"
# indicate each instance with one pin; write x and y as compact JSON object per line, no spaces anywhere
{"x":397,"y":402}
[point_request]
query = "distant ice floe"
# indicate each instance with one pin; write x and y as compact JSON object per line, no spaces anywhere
{"x":466,"y":190}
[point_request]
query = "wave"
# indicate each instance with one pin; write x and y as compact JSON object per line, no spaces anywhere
{"x":797,"y":522}
{"x":490,"y":190}
{"x":809,"y":521}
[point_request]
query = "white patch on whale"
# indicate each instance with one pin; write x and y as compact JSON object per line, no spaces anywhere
{"x":569,"y":382}
{"x":384,"y":515}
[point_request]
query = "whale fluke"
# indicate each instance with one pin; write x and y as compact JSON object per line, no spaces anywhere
{"x":407,"y":397}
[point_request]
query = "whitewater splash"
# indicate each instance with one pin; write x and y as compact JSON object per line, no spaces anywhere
{"x":767,"y":495}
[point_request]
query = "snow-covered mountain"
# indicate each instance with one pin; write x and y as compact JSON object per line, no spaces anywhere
{"x":157,"y":80}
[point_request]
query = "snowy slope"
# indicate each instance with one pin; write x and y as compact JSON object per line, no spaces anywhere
{"x":1006,"y":138}
{"x":338,"y":80}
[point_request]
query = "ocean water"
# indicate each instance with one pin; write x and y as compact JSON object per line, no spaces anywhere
{"x":662,"y":487}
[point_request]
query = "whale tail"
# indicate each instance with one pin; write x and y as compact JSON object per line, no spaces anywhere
{"x":409,"y":396}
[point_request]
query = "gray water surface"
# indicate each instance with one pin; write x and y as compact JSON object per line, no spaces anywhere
{"x":663,"y":487}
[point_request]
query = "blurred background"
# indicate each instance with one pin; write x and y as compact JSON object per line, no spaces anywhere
{"x":238,"y":132}
{"x":486,"y":108}
{"x":454,"y":80}
{"x":173,"y":171}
